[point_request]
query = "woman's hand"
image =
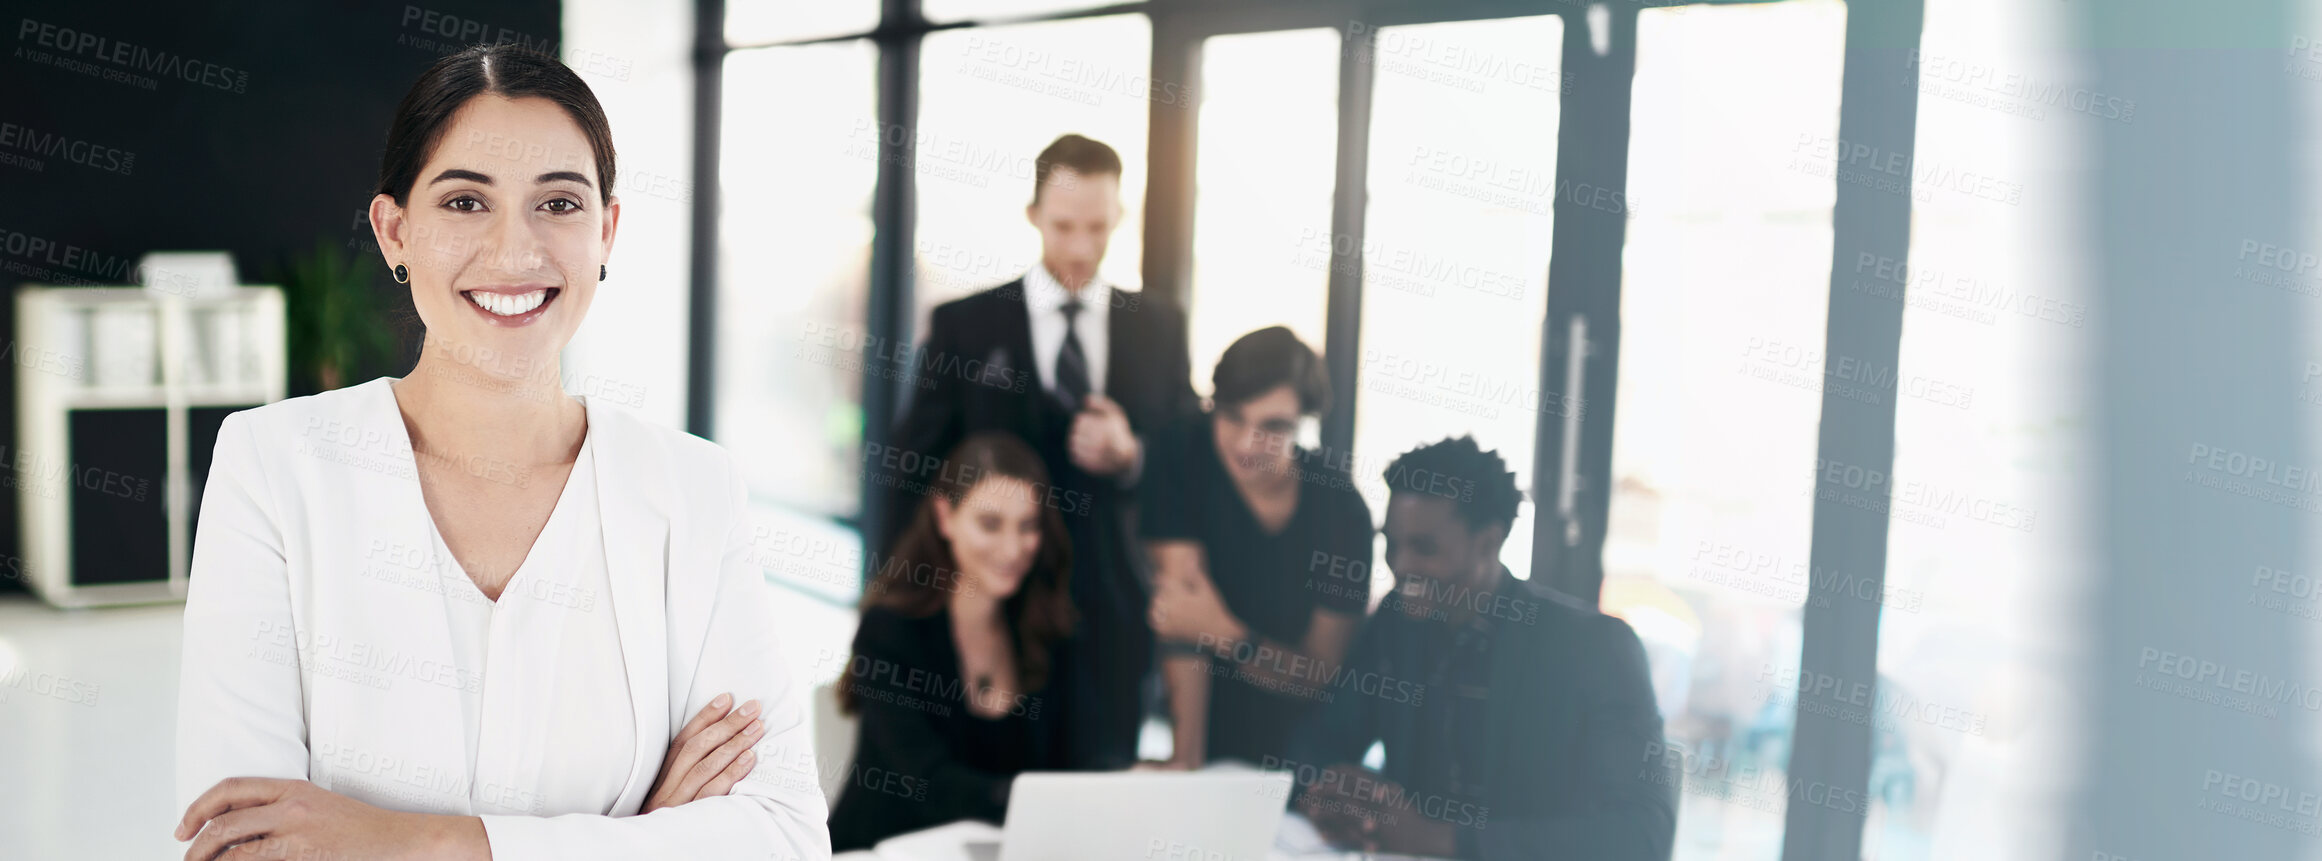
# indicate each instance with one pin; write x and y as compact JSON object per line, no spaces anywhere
{"x":266,"y":817}
{"x":709,"y":755}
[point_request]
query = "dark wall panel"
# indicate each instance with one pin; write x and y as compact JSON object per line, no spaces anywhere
{"x":128,"y":127}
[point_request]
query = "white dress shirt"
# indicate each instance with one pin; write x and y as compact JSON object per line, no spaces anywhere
{"x":323,"y":641}
{"x":1044,"y":298}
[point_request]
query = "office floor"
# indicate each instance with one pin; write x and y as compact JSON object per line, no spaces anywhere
{"x":88,"y":716}
{"x":88,"y":705}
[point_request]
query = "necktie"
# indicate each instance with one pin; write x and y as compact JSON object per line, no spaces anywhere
{"x":1071,"y":364}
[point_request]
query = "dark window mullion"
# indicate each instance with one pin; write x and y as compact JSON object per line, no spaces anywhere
{"x":1572,"y":445}
{"x":888,"y":319}
{"x":709,"y":69}
{"x":1877,"y":108}
{"x":1343,"y":316}
{"x":1172,"y":129}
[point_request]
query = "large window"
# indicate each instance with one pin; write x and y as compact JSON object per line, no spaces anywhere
{"x":794,"y":249}
{"x":955,"y":10}
{"x":1724,"y":297}
{"x":1734,"y":160}
{"x":990,"y":99}
{"x":751,"y":22}
{"x":1263,"y":174}
{"x":1972,"y":721}
{"x":1462,"y":193}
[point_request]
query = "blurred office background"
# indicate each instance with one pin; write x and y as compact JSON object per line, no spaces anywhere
{"x":1896,"y":368}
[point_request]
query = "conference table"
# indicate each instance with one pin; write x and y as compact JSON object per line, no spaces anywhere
{"x":1296,"y":842}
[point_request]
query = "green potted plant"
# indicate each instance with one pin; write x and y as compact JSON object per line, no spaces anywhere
{"x":338,"y":329}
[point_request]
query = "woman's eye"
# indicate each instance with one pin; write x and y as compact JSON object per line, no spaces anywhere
{"x":454,"y":204}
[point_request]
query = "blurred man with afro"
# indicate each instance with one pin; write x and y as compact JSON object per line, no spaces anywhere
{"x":1517,"y":724}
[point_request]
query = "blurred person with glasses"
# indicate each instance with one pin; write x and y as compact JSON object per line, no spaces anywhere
{"x":1260,"y":552}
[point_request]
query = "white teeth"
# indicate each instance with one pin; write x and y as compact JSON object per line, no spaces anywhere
{"x":508,"y":304}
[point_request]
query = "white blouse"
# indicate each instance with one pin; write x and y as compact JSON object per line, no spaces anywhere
{"x":329,"y":637}
{"x":546,"y":734}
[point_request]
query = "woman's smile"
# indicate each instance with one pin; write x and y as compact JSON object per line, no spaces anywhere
{"x":511,"y":306}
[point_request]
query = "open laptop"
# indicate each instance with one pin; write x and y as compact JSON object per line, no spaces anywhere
{"x":1140,"y":816}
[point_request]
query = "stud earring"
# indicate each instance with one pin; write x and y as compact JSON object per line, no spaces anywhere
{"x":600,"y":272}
{"x":402,"y":275}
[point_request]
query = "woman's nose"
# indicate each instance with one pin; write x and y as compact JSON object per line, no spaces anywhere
{"x":516,"y":246}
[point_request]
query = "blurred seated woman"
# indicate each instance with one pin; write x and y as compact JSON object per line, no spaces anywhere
{"x":959,"y":629}
{"x":1261,"y":552}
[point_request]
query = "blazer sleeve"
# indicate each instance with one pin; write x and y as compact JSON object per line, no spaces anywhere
{"x":774,"y":814}
{"x":1165,"y":505}
{"x":932,"y":422}
{"x":1626,"y":817}
{"x":240,"y":703}
{"x":1174,"y":362}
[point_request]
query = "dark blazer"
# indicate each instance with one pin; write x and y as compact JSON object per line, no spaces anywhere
{"x":921,"y":758}
{"x":1579,"y":770}
{"x":979,"y":374}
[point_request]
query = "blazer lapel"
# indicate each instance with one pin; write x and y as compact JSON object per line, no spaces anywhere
{"x":1014,"y":330}
{"x":1118,"y":334}
{"x":395,"y":506}
{"x":632,"y":490}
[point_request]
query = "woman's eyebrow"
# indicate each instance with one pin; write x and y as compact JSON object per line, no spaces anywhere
{"x":551,"y":176}
{"x":459,"y":173}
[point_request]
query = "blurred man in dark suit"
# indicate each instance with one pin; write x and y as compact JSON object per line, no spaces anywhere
{"x":1080,"y":369}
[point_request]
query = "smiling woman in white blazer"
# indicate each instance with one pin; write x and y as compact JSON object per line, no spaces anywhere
{"x":463,"y":614}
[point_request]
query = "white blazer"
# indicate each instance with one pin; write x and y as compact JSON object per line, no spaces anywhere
{"x":308,"y":655}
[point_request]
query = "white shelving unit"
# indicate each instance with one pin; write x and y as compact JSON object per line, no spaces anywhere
{"x":87,"y":349}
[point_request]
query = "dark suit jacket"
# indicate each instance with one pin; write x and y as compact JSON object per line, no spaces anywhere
{"x":1578,"y":770}
{"x":982,"y":376}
